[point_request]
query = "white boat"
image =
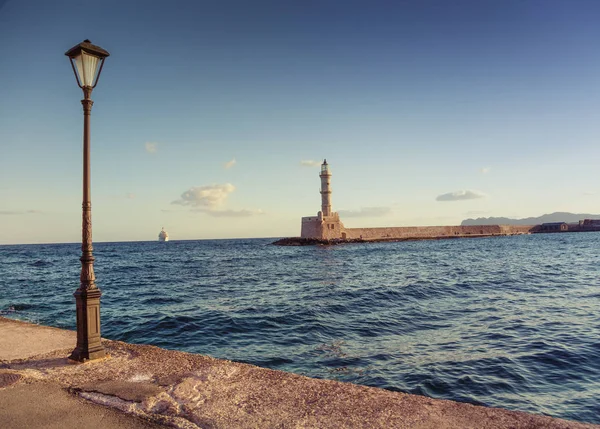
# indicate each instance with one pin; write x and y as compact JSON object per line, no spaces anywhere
{"x":163,"y":235}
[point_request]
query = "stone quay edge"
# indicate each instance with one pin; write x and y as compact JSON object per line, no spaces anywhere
{"x":187,"y":390}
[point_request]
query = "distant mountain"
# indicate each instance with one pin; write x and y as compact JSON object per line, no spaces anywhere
{"x":552,"y":217}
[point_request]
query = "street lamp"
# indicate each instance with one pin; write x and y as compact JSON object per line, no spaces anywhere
{"x":87,"y":61}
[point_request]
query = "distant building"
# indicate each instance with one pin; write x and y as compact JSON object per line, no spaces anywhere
{"x":554,"y":227}
{"x":590,"y":222}
{"x":589,"y":225}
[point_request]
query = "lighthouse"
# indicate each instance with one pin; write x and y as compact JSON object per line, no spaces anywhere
{"x":326,"y":224}
{"x":325,"y":189}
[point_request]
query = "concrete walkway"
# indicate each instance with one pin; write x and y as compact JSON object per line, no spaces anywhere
{"x":19,"y":340}
{"x":194,"y":391}
{"x":48,"y":405}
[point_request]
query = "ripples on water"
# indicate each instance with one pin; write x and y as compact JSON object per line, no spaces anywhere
{"x":509,"y":322}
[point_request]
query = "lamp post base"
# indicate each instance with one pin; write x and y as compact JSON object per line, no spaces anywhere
{"x":89,"y":346}
{"x":87,"y":355}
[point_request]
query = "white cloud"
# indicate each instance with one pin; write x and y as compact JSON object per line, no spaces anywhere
{"x":229,"y":164}
{"x":485,"y":170}
{"x":310,"y":163}
{"x":209,"y":199}
{"x":366,"y":212}
{"x":232,"y":213}
{"x":151,"y":147}
{"x":464,"y":194}
{"x":130,"y":196}
{"x":19,"y":212}
{"x":206,"y":196}
{"x":590,"y":193}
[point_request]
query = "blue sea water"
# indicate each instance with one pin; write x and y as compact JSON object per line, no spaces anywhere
{"x":510,"y":322}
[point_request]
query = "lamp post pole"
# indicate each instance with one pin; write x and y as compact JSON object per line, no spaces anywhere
{"x":87,"y":296}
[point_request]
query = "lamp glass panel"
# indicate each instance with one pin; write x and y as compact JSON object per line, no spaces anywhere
{"x":87,"y":67}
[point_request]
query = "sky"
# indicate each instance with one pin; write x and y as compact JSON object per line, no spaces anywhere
{"x":211,"y":118}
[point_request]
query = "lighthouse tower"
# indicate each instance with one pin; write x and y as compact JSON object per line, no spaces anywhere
{"x":325,"y":189}
{"x":326,"y":225}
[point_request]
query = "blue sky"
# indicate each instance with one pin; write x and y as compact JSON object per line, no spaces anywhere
{"x":498,"y":101}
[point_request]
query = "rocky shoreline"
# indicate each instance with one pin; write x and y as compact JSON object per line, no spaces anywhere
{"x":299,"y":241}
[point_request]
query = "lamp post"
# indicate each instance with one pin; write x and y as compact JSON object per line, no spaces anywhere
{"x":87,"y":61}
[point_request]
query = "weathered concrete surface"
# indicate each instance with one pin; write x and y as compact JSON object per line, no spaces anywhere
{"x":20,"y":340}
{"x":48,"y":406}
{"x":199,"y":391}
{"x":133,"y":391}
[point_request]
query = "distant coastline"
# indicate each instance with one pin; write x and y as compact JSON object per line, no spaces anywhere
{"x":546,"y":218}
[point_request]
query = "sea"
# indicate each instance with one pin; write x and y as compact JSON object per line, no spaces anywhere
{"x":510,"y":322}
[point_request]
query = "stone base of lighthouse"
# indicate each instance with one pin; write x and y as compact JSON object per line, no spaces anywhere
{"x":323,"y":227}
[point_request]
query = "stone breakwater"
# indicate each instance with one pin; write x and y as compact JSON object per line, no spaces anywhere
{"x":434,"y":232}
{"x":409,"y":233}
{"x":193,"y":391}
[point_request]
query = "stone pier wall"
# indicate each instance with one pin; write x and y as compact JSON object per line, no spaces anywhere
{"x":435,"y":231}
{"x":311,"y":227}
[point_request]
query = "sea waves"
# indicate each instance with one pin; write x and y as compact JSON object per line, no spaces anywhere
{"x":509,"y":321}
